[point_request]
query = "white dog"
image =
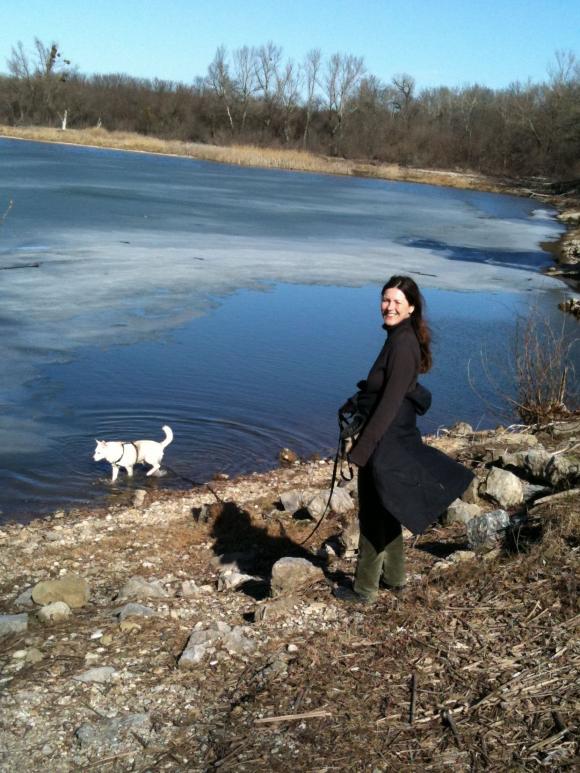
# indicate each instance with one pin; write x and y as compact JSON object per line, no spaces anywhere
{"x":127,"y":455}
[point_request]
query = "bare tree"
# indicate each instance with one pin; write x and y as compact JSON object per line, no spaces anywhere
{"x":405,"y":88}
{"x":268,"y":60}
{"x":41,"y":77}
{"x":245,"y":80}
{"x":311,"y":70}
{"x":288,"y":82}
{"x":219,"y":80}
{"x":343,"y":75}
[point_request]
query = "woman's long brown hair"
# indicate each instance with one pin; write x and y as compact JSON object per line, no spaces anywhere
{"x":413,"y":295}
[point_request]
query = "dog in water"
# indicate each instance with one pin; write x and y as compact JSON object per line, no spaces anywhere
{"x":127,"y":455}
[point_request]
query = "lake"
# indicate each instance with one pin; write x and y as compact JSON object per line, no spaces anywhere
{"x":239,"y":306}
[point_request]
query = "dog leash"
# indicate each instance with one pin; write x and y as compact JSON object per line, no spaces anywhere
{"x":339,"y":458}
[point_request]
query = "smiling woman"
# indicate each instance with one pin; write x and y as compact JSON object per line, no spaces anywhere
{"x":401,"y":482}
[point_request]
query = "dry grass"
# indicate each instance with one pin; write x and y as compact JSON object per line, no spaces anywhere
{"x":247,"y":155}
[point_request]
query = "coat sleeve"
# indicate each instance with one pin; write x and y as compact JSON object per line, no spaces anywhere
{"x":401,"y":371}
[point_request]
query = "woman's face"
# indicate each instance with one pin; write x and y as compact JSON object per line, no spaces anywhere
{"x":395,"y":307}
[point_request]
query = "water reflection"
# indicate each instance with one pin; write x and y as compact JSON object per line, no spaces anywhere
{"x":235,"y":305}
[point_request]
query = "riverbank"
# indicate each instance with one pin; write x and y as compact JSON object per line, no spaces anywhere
{"x":193,"y":631}
{"x":251,"y":156}
{"x":565,"y":252}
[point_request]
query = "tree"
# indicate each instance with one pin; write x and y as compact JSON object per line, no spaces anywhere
{"x":41,"y":78}
{"x":343,"y":75}
{"x":245,"y":80}
{"x":311,"y":70}
{"x":218,"y":76}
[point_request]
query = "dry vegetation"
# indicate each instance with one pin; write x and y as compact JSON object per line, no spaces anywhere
{"x":252,"y":156}
{"x":475,"y":668}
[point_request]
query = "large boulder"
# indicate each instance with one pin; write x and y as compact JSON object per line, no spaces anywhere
{"x":503,"y":487}
{"x":291,"y":574}
{"x":71,"y":589}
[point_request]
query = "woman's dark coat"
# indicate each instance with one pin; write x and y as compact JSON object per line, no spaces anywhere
{"x":416,"y":483}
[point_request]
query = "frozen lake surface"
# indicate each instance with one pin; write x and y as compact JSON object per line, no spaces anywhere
{"x":240,"y":306}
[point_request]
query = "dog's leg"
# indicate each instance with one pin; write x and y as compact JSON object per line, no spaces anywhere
{"x":154,"y":469}
{"x":115,"y":473}
{"x":129,"y":472}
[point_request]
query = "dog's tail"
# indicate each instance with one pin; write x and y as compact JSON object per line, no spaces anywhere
{"x":168,"y":436}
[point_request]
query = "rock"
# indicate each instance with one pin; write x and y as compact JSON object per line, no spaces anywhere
{"x":139,"y":588}
{"x":100,"y":675}
{"x":71,"y":589}
{"x":197,"y":646}
{"x":236,"y":643}
{"x":482,"y":532}
{"x":274,"y":609}
{"x":291,"y":574}
{"x":134,"y":610}
{"x":52,"y":613}
{"x":532,"y":491}
{"x":461,"y":428}
{"x":129,"y":625}
{"x":139,"y":497}
{"x":189,"y":588}
{"x":287,"y":456}
{"x":292,"y":500}
{"x":349,"y":536}
{"x":34,"y":655}
{"x":13,"y":623}
{"x":461,"y":512}
{"x":570,"y":216}
{"x":192,"y":656}
{"x":110,"y":733}
{"x":562,"y":470}
{"x":471,"y":495}
{"x":504,"y":487}
{"x":232,"y":580}
{"x":341,"y":501}
{"x":24,"y":599}
{"x":458,"y":556}
{"x":535,"y":462}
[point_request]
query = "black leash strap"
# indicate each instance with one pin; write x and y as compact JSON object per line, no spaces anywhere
{"x":337,"y":459}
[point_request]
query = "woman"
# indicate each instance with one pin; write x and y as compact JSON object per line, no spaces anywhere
{"x":401,"y":482}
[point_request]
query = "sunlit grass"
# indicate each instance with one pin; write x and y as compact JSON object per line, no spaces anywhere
{"x":249,"y":155}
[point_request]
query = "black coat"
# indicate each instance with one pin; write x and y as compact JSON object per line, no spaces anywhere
{"x":415,"y":483}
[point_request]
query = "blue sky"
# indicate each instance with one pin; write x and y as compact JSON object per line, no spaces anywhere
{"x":439,"y":42}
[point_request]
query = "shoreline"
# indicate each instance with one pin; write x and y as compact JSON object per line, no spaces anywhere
{"x":158,"y":633}
{"x":564,"y":251}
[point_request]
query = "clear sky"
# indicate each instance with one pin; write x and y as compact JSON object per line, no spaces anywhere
{"x":439,"y":42}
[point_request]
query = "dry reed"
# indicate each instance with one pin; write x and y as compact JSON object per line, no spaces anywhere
{"x":251,"y":156}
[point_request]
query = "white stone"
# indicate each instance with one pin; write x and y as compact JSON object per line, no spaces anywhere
{"x":461,"y":512}
{"x":52,"y":613}
{"x":504,"y":487}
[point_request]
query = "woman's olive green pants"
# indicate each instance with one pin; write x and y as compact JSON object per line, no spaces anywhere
{"x":381,"y":551}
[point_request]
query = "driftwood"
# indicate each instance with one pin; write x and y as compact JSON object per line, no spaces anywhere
{"x":291,"y":717}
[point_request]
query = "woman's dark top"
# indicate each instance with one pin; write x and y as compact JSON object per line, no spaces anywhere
{"x":393,"y":374}
{"x":415,"y":483}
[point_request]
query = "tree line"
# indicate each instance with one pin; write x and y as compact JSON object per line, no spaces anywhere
{"x":333,"y":106}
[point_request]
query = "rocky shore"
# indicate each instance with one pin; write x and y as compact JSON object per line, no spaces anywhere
{"x":194,"y":631}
